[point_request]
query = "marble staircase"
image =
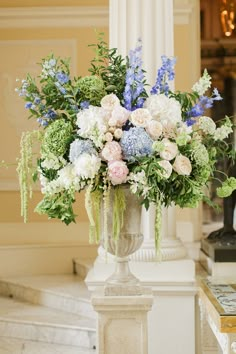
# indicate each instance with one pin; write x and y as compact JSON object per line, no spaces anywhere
{"x":48,"y":314}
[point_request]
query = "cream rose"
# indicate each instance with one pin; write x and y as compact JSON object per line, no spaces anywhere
{"x":182,"y":165}
{"x":167,"y":168}
{"x":109,"y":102}
{"x":119,"y":116}
{"x":140,"y":117}
{"x":170,"y":150}
{"x":154,"y":129}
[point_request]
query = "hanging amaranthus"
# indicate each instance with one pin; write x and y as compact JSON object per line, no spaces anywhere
{"x":26,"y":168}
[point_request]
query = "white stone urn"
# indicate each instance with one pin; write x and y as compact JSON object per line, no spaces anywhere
{"x":129,"y":240}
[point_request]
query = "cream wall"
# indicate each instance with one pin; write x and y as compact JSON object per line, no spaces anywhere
{"x":66,"y":28}
{"x":26,"y":35}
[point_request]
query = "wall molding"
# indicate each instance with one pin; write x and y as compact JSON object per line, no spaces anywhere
{"x":47,"y":17}
{"x":71,"y":16}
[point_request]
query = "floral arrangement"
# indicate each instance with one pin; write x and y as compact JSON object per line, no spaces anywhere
{"x":110,"y":129}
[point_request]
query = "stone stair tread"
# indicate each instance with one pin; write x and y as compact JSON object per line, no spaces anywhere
{"x":22,"y":346}
{"x":12,"y":310}
{"x":67,"y":285}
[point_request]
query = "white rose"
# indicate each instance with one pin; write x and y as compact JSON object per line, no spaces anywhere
{"x":165,"y":108}
{"x":154,"y":129}
{"x":109,"y":102}
{"x":182,"y":165}
{"x":140,"y":117}
{"x":170,"y":150}
{"x":87,"y":166}
{"x":167,"y":168}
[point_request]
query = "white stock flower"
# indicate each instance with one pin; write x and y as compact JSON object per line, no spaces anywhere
{"x":87,"y":166}
{"x":109,"y":102}
{"x":182,"y":165}
{"x":140,"y":117}
{"x":167,"y":168}
{"x":163,"y":108}
{"x":207,"y":125}
{"x":203,"y":84}
{"x":222,"y":132}
{"x":154,"y":129}
{"x":170,"y":150}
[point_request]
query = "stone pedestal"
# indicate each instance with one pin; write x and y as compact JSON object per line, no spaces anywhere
{"x":122,"y":323}
{"x":173,"y":311}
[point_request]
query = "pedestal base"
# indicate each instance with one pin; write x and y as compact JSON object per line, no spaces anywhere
{"x":122,"y":323}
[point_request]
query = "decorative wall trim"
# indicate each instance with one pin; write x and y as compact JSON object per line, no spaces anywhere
{"x":72,"y":16}
{"x":46,"y":17}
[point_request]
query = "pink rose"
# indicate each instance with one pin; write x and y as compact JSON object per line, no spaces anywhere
{"x":117,"y":172}
{"x":112,"y":151}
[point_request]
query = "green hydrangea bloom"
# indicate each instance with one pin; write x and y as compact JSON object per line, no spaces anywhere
{"x":227,"y":188}
{"x":56,"y":138}
{"x":92,"y":89}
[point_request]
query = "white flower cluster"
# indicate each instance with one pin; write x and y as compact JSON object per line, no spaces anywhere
{"x":203,"y":84}
{"x":138,"y":181}
{"x":52,"y":162}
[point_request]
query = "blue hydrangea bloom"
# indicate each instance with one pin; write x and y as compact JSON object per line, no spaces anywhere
{"x":135,"y":142}
{"x":78,"y":147}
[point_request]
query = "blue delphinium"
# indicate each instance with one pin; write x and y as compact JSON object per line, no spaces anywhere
{"x":165,"y":73}
{"x":134,"y":81}
{"x":135,"y":142}
{"x":84,"y":104}
{"x":62,"y":78}
{"x":79,"y":147}
{"x":204,"y":103}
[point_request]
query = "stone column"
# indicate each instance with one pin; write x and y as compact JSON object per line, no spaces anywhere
{"x":152,"y":21}
{"x":122,"y":323}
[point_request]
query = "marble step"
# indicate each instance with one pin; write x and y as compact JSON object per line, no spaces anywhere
{"x":63,"y":292}
{"x":22,"y":320}
{"x":20,"y":346}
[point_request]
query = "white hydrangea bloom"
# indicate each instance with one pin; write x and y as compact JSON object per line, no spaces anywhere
{"x":163,"y":108}
{"x":87,"y":166}
{"x":203,"y":84}
{"x":93,"y":124}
